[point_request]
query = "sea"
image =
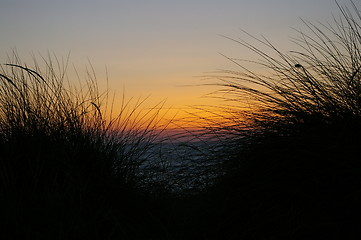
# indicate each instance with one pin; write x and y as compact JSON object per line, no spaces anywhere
{"x":181,"y":166}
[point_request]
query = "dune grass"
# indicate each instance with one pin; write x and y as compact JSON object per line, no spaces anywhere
{"x":320,"y":82}
{"x":67,"y":168}
{"x":290,"y":137}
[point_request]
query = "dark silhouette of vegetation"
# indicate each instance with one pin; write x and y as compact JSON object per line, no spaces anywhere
{"x":66,"y":170}
{"x":291,"y":136}
{"x":280,"y":160}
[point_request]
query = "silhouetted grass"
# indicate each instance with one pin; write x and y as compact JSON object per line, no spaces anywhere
{"x":67,"y":169}
{"x":290,"y":138}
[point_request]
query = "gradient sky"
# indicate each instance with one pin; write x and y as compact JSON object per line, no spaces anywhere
{"x":151,"y":46}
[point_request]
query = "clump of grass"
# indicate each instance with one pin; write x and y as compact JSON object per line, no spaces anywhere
{"x":316,"y":86}
{"x":290,"y":136}
{"x":67,"y":168}
{"x":320,"y":82}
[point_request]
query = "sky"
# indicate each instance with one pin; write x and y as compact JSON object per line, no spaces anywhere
{"x":153,"y":48}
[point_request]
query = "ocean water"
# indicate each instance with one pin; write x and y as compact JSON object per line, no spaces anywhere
{"x":182,"y":166}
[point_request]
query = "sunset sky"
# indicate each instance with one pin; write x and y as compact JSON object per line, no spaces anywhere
{"x":151,"y":47}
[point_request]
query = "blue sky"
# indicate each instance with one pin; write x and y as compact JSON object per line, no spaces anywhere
{"x":151,"y":47}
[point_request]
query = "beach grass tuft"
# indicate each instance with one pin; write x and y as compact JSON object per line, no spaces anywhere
{"x":67,"y":167}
